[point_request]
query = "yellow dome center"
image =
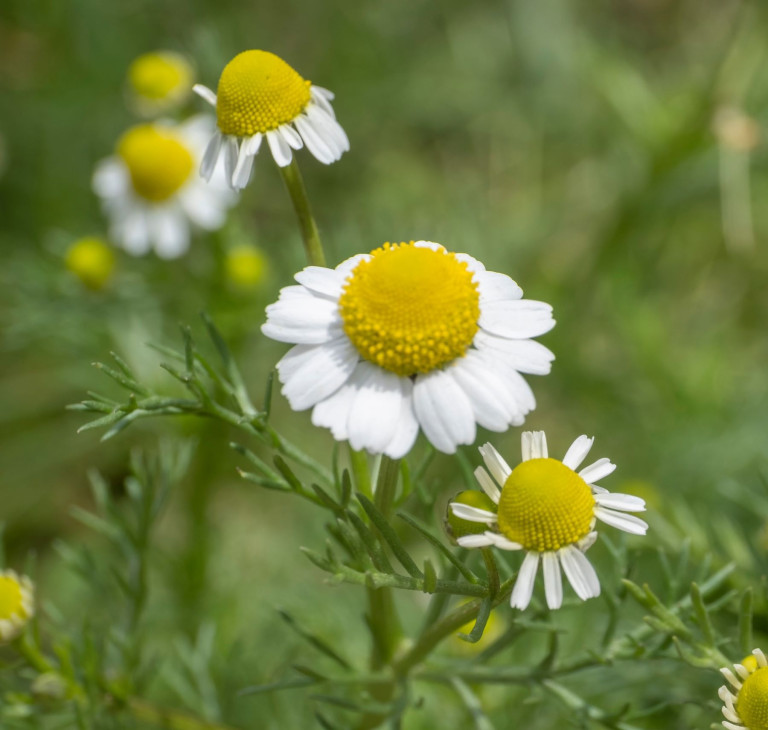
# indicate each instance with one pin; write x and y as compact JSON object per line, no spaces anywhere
{"x":752,"y":700}
{"x":158,"y":162}
{"x":257,"y":92}
{"x":156,"y":76}
{"x":410,"y":309}
{"x":10,"y":599}
{"x":544,"y":506}
{"x":92,"y":261}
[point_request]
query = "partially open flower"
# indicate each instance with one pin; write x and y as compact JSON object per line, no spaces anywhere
{"x":745,"y":707}
{"x":548,"y":509}
{"x":17,"y":604}
{"x":261,"y":97}
{"x":159,"y":81}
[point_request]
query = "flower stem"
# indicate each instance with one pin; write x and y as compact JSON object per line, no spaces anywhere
{"x":309,"y":233}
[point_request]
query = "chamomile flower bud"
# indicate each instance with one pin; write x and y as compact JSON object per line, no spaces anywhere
{"x":245,"y":266}
{"x":549,"y":510}
{"x":17,"y":604}
{"x":745,"y":702}
{"x":92,"y":261}
{"x":260,"y":97}
{"x":458,"y":527}
{"x":159,"y":81}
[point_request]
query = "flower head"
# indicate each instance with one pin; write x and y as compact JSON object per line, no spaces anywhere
{"x":17,"y":604}
{"x":260,"y":95}
{"x":92,"y":261}
{"x":547,"y":508}
{"x":746,"y":706}
{"x":409,"y":337}
{"x":159,"y":81}
{"x":245,"y":266}
{"x":150,"y":191}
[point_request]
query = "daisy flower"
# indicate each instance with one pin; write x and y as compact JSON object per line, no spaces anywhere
{"x":746,"y":706}
{"x":409,"y":337}
{"x":547,"y":508}
{"x":150,"y":192}
{"x":17,"y":604}
{"x":260,"y":96}
{"x":159,"y":81}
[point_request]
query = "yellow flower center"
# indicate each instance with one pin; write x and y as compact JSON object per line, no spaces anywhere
{"x":752,"y":700}
{"x":245,"y":266}
{"x":10,"y":599}
{"x":158,"y":162}
{"x":92,"y":261}
{"x":410,"y":309}
{"x":257,"y":92}
{"x":544,"y":506}
{"x":156,"y":76}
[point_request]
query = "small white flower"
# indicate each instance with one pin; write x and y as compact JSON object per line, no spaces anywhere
{"x":409,"y":336}
{"x":17,"y":604}
{"x":746,"y":707}
{"x":548,"y":509}
{"x":261,"y":97}
{"x":151,"y":193}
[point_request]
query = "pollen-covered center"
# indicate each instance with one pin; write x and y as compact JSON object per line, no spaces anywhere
{"x":11,"y":599}
{"x":544,"y":506}
{"x":257,"y":92}
{"x":752,"y":700}
{"x":157,"y":161}
{"x":410,"y":309}
{"x":158,"y":75}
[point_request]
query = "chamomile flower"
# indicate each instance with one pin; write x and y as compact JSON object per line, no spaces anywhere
{"x":409,"y":337}
{"x":548,"y":509}
{"x":17,"y":604}
{"x":151,"y":193}
{"x":159,"y":81}
{"x":261,"y":97}
{"x":745,"y":707}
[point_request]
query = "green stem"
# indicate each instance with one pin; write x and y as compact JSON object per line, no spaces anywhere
{"x":493,"y":572}
{"x":358,"y":460}
{"x":309,"y":233}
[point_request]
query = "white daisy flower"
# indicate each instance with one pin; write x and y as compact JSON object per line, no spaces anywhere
{"x":151,"y":193}
{"x":548,"y":509}
{"x":746,"y":706}
{"x":260,"y":96}
{"x":17,"y":604}
{"x":409,"y":336}
{"x":159,"y":81}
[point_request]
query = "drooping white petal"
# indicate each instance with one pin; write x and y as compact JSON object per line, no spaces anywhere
{"x":534,"y":445}
{"x":493,"y":286}
{"x":503,"y":543}
{"x":322,"y":281}
{"x":211,"y":156}
{"x":291,"y":136}
{"x":205,"y":93}
{"x":496,"y":464}
{"x":321,"y":91}
{"x":328,"y":129}
{"x":622,"y":521}
{"x":322,"y":100}
{"x":443,"y":411}
{"x":578,"y":451}
{"x":205,"y":207}
{"x":622,"y":502}
{"x":553,"y":583}
{"x":580,"y":573}
{"x":587,"y":542}
{"x":311,"y":373}
{"x":523,"y":318}
{"x":523,"y":590}
{"x":375,"y":412}
{"x":488,"y":485}
{"x":333,"y":412}
{"x":472,"y":514}
{"x":525,"y":356}
{"x":408,"y":427}
{"x":596,"y":471}
{"x":473,"y":541}
{"x":231,"y":152}
{"x":314,"y":142}
{"x":281,"y":150}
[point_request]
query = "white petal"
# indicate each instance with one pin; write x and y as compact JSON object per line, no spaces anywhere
{"x":211,"y":156}
{"x":523,"y":590}
{"x":499,"y":468}
{"x":322,"y":100}
{"x":472,"y":263}
{"x":526,"y":356}
{"x":311,"y":373}
{"x":325,"y":93}
{"x":731,"y":726}
{"x":333,"y":412}
{"x":431,"y":245}
{"x":375,"y":413}
{"x":741,"y":670}
{"x":580,"y":573}
{"x":329,"y":129}
{"x":621,"y":521}
{"x":760,"y":656}
{"x":170,"y":232}
{"x":132,"y":232}
{"x":314,"y":142}
{"x":346,"y":267}
{"x":596,"y":471}
{"x":578,"y":451}
{"x":408,"y":427}
{"x":473,"y":541}
{"x":587,"y":542}
{"x":488,"y":485}
{"x":242,"y":172}
{"x":326,"y":282}
{"x":502,"y":542}
{"x":280,"y":149}
{"x":443,"y":411}
{"x":553,"y":583}
{"x":291,"y":136}
{"x":516,"y":385}
{"x":302,"y":322}
{"x":231,"y":153}
{"x":494,"y":287}
{"x":205,"y":93}
{"x":205,"y":206}
{"x":731,"y":677}
{"x":623,"y":502}
{"x":472,"y":514}
{"x":534,"y":445}
{"x":111,"y":178}
{"x":522,"y":319}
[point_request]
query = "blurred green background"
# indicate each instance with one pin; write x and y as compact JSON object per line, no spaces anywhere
{"x":609,"y":156}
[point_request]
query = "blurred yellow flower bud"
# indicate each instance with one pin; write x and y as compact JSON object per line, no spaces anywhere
{"x":158,"y":81}
{"x":17,"y":604}
{"x":92,"y":261}
{"x":245,"y":266}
